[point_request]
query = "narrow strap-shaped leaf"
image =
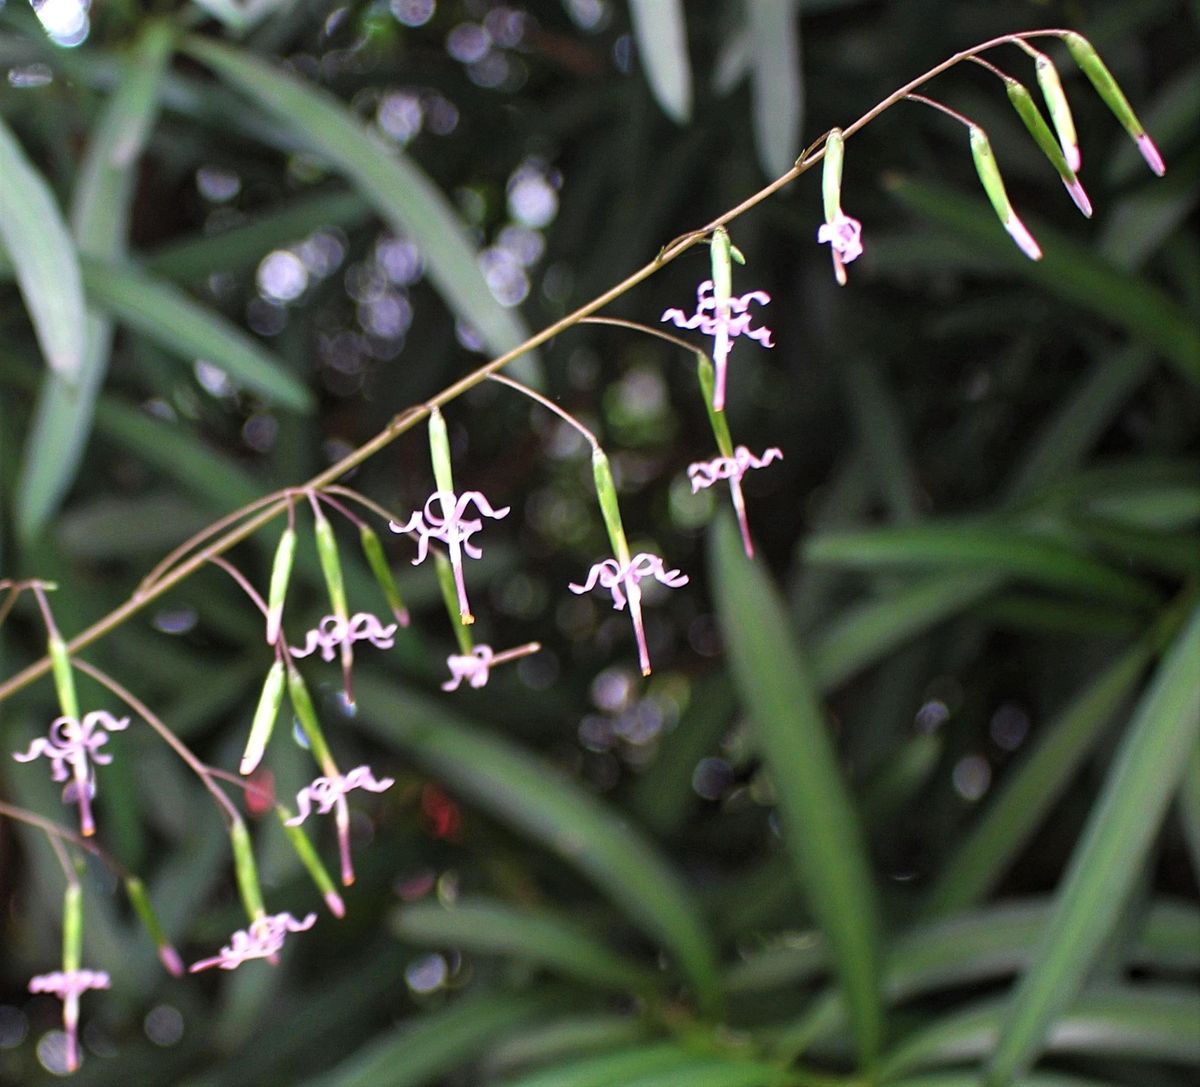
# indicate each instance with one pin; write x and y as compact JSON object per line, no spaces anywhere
{"x":44,"y":258}
{"x":541,"y":937}
{"x":776,"y":82}
{"x":398,"y":189}
{"x":528,"y":794}
{"x":661,"y":36}
{"x":820,"y":828}
{"x":661,"y":1064}
{"x":1148,"y":766}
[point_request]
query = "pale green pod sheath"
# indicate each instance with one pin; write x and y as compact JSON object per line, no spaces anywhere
{"x":439,"y":452}
{"x":606,"y":492}
{"x":722,"y":265}
{"x":331,"y":565}
{"x":1106,"y":86}
{"x":281,"y":572}
{"x":265,"y":715}
{"x":135,"y":890}
{"x":377,"y":560}
{"x":831,"y":174}
{"x":993,"y":185}
{"x":64,"y":677}
{"x":312,"y":865}
{"x":1031,"y":117}
{"x":716,"y":419}
{"x":1060,"y":109}
{"x":72,"y":927}
{"x":246,"y":871}
{"x":306,"y":714}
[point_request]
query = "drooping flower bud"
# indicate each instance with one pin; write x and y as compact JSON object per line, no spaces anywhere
{"x":281,"y":572}
{"x":373,"y":551}
{"x":1031,"y":117}
{"x":140,"y":901}
{"x":265,"y":715}
{"x":993,"y":185}
{"x":610,"y":510}
{"x":245,"y":870}
{"x":1060,"y":109}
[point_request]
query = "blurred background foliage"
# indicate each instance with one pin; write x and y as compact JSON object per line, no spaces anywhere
{"x":914,"y":799}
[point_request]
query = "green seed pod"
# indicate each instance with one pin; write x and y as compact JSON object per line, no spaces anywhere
{"x":64,"y":677}
{"x":993,"y":185}
{"x":246,"y":870}
{"x":721,"y":251}
{"x":1031,"y":117}
{"x":265,"y":716}
{"x":606,"y":492}
{"x":312,"y":864}
{"x":831,"y":174}
{"x":331,"y":565}
{"x":306,"y":714}
{"x":716,"y":419}
{"x":1106,"y":86}
{"x":445,"y":576}
{"x":140,"y":901}
{"x":373,"y":550}
{"x":281,"y":572}
{"x":72,"y":927}
{"x":1060,"y":109}
{"x":439,"y":452}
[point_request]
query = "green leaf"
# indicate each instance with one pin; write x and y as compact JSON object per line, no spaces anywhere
{"x":567,"y":1036}
{"x":387,"y":178}
{"x":185,"y":328}
{"x":541,"y":937}
{"x":666,"y":1064}
{"x":986,"y":548}
{"x":821,"y":831}
{"x":528,"y":794}
{"x":775,"y":79}
{"x":1148,"y":766}
{"x":1031,"y":790}
{"x":44,"y":258}
{"x":661,"y":36}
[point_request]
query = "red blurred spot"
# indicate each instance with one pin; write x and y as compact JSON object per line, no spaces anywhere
{"x":442,"y":815}
{"x":260,"y":792}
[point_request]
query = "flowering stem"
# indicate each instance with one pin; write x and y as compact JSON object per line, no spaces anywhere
{"x":271,"y":507}
{"x":566,"y":416}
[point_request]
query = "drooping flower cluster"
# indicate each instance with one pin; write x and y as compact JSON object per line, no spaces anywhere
{"x":77,"y":742}
{"x":623,"y":583}
{"x":444,"y":518}
{"x":724,"y":321}
{"x":473,"y":667}
{"x":324,"y":792}
{"x":333,"y":632}
{"x":844,"y":236}
{"x":262,"y":940}
{"x":68,"y":986}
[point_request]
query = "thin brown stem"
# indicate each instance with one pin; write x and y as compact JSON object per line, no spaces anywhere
{"x":649,"y":330}
{"x":564,"y":415}
{"x":409,"y":418}
{"x":934,"y":104}
{"x":55,"y":832}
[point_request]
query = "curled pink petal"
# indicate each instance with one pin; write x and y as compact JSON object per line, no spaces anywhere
{"x":263,"y":939}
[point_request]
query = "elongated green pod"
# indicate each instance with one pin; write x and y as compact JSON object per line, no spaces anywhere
{"x":716,"y":419}
{"x":1060,"y":109}
{"x":1031,"y":117}
{"x":265,"y":715}
{"x":831,"y":174}
{"x":445,"y":576}
{"x":1107,"y":87}
{"x":245,"y":870}
{"x":64,"y":677}
{"x":610,"y":510}
{"x":306,"y":714}
{"x":377,"y":560}
{"x":72,"y":927}
{"x":331,"y":564}
{"x":439,"y":452}
{"x":135,"y":890}
{"x":307,"y":853}
{"x":722,"y":266}
{"x":281,"y":572}
{"x":993,"y":185}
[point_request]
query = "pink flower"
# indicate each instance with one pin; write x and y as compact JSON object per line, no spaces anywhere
{"x":724,"y":324}
{"x":77,"y":742}
{"x":622,"y":582}
{"x":706,"y":473}
{"x":844,"y":236}
{"x":333,"y":631}
{"x":262,"y":940}
{"x":68,"y":987}
{"x":472,"y":667}
{"x":330,"y":792}
{"x":454,"y":530}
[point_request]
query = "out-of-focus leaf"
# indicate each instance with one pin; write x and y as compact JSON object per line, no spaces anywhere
{"x":1069,"y":271}
{"x":986,"y":548}
{"x":568,"y":1036}
{"x":528,"y":794}
{"x":778,"y":86}
{"x":1133,"y":1021}
{"x":1148,"y":766}
{"x":43,"y":257}
{"x":971,"y":1079}
{"x":187,"y":329}
{"x":100,"y":221}
{"x":666,"y":1064}
{"x":429,"y":1046}
{"x":1032,"y":789}
{"x":100,"y":530}
{"x":541,"y":937}
{"x":877,"y":419}
{"x":661,"y":36}
{"x":820,"y":826}
{"x":1189,"y":809}
{"x":393,"y":184}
